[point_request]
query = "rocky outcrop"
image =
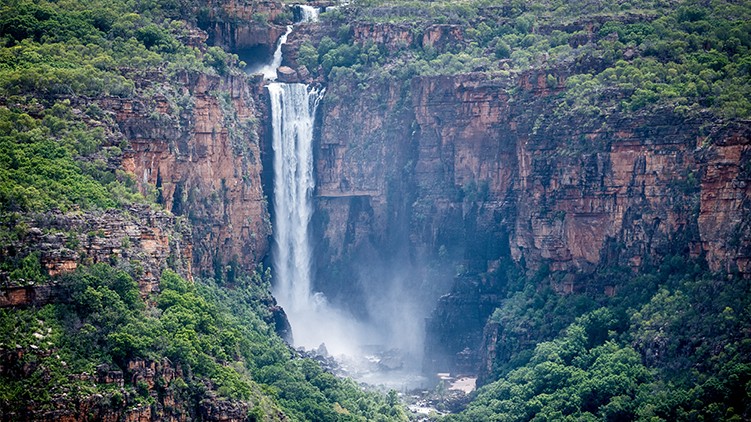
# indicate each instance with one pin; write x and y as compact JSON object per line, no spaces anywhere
{"x":238,"y":25}
{"x":725,"y":205}
{"x":201,"y":152}
{"x":440,"y":37}
{"x":145,"y":391}
{"x":392,"y":37}
{"x":144,"y":238}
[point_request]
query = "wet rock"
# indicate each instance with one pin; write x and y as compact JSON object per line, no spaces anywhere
{"x":281,"y":323}
{"x":321,"y":350}
{"x":286,"y":75}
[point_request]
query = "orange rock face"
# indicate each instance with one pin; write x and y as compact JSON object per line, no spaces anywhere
{"x":725,"y":212}
{"x":474,"y":173}
{"x":491,"y":175}
{"x":204,"y":161}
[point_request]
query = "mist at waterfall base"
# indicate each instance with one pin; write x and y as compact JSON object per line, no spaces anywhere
{"x":380,"y":344}
{"x":393,"y":322}
{"x":293,"y":108}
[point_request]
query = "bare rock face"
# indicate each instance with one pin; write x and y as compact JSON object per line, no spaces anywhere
{"x":563,"y":193}
{"x":442,"y":36}
{"x":202,"y":155}
{"x":241,"y":24}
{"x":393,"y":36}
{"x":286,"y":75}
{"x":153,"y":240}
{"x":725,"y":213}
{"x":490,"y":179}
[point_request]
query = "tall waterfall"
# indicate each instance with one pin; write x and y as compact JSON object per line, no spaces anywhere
{"x":293,"y":109}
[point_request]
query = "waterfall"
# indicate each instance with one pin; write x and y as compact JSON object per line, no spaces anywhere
{"x":293,"y":109}
{"x":269,"y":70}
{"x":308,"y":13}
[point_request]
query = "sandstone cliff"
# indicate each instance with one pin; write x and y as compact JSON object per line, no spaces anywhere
{"x":201,"y":152}
{"x":492,"y":175}
{"x":161,"y":395}
{"x":148,"y":240}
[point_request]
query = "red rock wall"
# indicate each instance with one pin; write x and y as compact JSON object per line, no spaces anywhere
{"x":205,"y":159}
{"x":564,"y":193}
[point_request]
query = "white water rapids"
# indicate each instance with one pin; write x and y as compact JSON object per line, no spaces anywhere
{"x":308,"y":13}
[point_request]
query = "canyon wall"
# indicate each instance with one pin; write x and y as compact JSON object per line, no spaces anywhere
{"x":198,"y":145}
{"x":476,"y":173}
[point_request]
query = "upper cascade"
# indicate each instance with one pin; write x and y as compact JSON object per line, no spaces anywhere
{"x":269,"y":70}
{"x":304,"y":14}
{"x":307,"y":13}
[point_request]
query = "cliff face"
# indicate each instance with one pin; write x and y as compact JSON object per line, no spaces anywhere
{"x":478,"y":173}
{"x":241,"y":25}
{"x":160,"y":396}
{"x":151,"y":240}
{"x":725,"y":209}
{"x":201,"y":151}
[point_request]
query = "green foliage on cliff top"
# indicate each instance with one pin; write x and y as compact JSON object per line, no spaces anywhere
{"x":624,"y":56}
{"x":59,"y":149}
{"x":57,"y":160}
{"x":217,"y":336}
{"x":57,"y":59}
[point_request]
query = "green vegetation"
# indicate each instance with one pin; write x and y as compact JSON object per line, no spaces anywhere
{"x":217,"y":336}
{"x":657,"y":350}
{"x":56,"y":60}
{"x":624,"y":56}
{"x":57,"y":160}
{"x":61,"y":64}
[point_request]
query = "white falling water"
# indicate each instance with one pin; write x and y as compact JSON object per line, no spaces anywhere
{"x":269,"y":70}
{"x":308,"y":13}
{"x":293,"y":108}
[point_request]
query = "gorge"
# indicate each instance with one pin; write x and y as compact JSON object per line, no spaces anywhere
{"x":553,"y":198}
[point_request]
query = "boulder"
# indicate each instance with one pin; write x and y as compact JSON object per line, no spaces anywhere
{"x":286,"y":74}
